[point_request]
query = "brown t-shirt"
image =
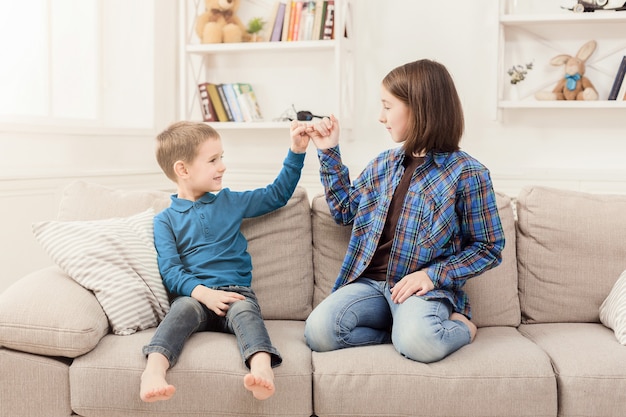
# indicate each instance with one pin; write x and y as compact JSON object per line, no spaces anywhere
{"x":377,"y":269}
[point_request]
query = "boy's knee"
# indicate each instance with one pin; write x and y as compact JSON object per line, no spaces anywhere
{"x":421,"y":345}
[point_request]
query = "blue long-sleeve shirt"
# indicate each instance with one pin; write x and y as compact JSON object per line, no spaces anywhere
{"x":449,"y":225}
{"x":200,"y":242}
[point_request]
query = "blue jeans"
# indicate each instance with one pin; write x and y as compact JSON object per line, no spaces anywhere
{"x":362,"y":313}
{"x":187,"y":316}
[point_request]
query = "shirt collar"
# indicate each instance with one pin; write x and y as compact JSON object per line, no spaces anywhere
{"x":181,"y":205}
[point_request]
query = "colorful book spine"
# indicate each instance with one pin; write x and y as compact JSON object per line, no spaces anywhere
{"x":206,"y":107}
{"x":329,"y":20}
{"x":229,"y":113}
{"x":277,"y":29}
{"x":619,"y":79}
{"x":233,"y":104}
{"x":214,"y":95}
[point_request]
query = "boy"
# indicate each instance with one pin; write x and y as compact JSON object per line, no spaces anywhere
{"x":203,"y":259}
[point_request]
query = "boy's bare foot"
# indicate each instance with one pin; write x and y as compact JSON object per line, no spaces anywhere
{"x":468,"y":323}
{"x":261,"y":387}
{"x":154,"y":387}
{"x":260,"y":380}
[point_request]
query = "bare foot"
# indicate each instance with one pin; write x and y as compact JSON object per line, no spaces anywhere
{"x":261,"y":387}
{"x":468,"y":323}
{"x":154,"y":387}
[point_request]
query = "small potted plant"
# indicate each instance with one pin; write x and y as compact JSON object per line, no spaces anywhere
{"x":255,"y":26}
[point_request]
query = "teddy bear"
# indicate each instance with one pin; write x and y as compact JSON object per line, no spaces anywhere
{"x":574,"y":85}
{"x":219,"y":23}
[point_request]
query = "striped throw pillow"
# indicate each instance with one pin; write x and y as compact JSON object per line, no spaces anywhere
{"x":116,"y":259}
{"x":613,"y":309}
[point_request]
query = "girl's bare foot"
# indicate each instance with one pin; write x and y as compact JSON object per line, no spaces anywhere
{"x":154,"y":387}
{"x":468,"y":323}
{"x":260,"y":380}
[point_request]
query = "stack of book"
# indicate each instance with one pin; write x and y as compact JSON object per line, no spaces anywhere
{"x":235,"y":102}
{"x":618,"y":91}
{"x":297,"y":20}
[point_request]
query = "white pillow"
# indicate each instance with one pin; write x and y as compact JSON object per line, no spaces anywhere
{"x":613,"y":309}
{"x":116,"y":259}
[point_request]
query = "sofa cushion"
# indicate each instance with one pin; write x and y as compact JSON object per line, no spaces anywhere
{"x":282,"y":267}
{"x":570,"y":248}
{"x":208,"y":377}
{"x":590,"y":367}
{"x":24,"y":374}
{"x":613,"y":309}
{"x":116,"y":259}
{"x":82,"y":200}
{"x":493,"y":294}
{"x":67,"y":320}
{"x":500,"y":373}
{"x":284,"y":289}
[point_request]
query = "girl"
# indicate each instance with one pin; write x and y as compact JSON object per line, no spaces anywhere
{"x":424,"y":221}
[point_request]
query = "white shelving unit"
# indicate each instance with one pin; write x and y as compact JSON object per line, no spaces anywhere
{"x":316,"y":76}
{"x":536,"y":31}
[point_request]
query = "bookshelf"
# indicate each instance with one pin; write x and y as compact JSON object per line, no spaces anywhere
{"x":536,"y":31}
{"x":312,"y":75}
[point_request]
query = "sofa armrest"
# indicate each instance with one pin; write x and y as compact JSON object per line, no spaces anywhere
{"x":48,"y":313}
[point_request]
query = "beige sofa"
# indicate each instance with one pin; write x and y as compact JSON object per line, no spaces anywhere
{"x":540,"y":349}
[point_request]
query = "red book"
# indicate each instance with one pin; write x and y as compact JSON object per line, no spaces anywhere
{"x":208,"y":111}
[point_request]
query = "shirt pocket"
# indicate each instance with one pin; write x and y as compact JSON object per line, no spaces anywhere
{"x":430,"y":220}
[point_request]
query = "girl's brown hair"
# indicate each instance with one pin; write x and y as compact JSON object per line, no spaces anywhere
{"x":180,"y":142}
{"x":428,"y":90}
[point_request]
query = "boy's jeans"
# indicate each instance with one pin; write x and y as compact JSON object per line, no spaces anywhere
{"x":187,"y":316}
{"x":362,"y":313}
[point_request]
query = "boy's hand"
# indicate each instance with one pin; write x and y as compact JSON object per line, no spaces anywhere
{"x":217,"y":301}
{"x":299,"y":136}
{"x":325,"y":134}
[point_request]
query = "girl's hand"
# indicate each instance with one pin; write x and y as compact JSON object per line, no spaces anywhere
{"x":418,"y":283}
{"x":299,"y":136}
{"x":325,"y":134}
{"x":217,"y":301}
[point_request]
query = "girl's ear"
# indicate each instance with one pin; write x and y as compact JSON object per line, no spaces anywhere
{"x":180,"y":169}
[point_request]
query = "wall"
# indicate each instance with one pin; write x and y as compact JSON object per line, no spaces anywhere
{"x":576,"y":149}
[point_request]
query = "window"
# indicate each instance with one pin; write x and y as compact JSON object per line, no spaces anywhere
{"x":78,"y":63}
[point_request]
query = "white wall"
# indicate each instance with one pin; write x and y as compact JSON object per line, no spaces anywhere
{"x":576,"y":149}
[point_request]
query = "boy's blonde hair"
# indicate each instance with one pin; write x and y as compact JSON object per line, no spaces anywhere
{"x":180,"y":142}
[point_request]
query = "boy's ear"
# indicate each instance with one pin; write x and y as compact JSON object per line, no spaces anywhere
{"x":180,"y":169}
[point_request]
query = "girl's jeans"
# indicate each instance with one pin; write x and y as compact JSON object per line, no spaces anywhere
{"x":187,"y":316}
{"x":362,"y":313}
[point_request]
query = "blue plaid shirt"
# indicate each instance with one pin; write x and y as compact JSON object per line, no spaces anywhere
{"x":449,"y":225}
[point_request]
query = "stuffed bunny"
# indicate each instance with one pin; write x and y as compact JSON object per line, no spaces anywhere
{"x":574,"y":85}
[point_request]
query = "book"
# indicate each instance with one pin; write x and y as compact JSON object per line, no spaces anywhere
{"x":206,"y":107}
{"x":233,"y":103}
{"x":317,"y":22}
{"x":284,"y":36}
{"x":297,"y":18}
{"x":619,"y":78}
{"x":306,"y":21}
{"x":329,"y":20}
{"x":246,"y":111}
{"x":214,"y":95}
{"x":272,"y":18}
{"x":277,"y":29}
{"x":621,"y":95}
{"x":322,"y":20}
{"x":229,"y":113}
{"x":248,"y":93}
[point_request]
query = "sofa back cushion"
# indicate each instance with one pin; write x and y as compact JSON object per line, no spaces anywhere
{"x":493,"y":294}
{"x":279,"y":242}
{"x":282,"y":267}
{"x":570,"y":250}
